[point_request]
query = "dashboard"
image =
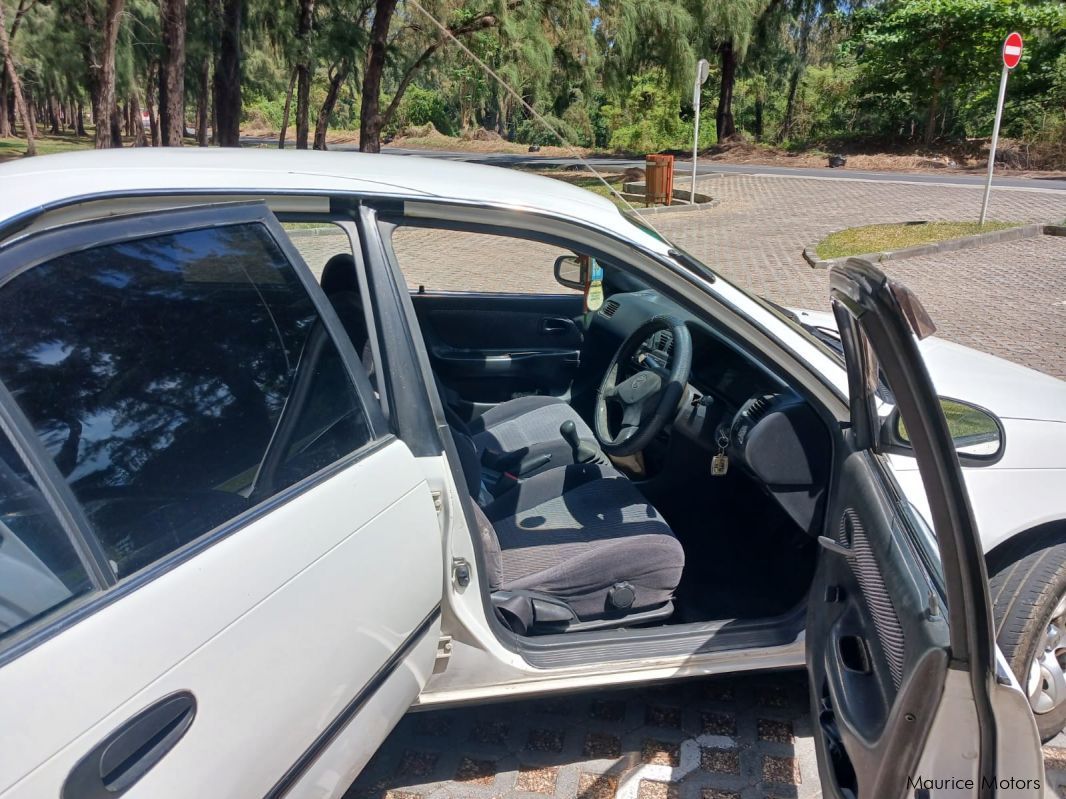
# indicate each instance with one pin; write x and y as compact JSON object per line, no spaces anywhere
{"x":731,"y":399}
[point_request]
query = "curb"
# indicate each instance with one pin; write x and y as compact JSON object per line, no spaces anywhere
{"x":810,"y":254}
{"x":634,"y":193}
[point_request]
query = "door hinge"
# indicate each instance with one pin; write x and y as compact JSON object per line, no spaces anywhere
{"x":444,"y":653}
{"x":438,"y":502}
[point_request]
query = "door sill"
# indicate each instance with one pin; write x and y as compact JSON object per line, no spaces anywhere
{"x":567,"y":650}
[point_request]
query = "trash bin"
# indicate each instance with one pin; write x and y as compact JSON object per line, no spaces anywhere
{"x":658,"y":179}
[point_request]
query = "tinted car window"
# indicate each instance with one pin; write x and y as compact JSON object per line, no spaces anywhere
{"x":177,"y":381}
{"x":39,"y":569}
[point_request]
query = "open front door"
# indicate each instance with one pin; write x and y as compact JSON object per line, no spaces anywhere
{"x":900,"y":648}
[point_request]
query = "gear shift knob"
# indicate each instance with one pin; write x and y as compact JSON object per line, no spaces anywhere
{"x":568,"y":430}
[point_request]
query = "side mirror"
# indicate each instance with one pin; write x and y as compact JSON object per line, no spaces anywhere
{"x":977,"y":433}
{"x":571,"y":271}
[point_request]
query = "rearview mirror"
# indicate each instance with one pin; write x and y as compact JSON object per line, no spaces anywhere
{"x":976,"y":432}
{"x":571,"y":271}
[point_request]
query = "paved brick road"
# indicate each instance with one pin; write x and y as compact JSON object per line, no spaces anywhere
{"x":731,"y":738}
{"x":746,"y":736}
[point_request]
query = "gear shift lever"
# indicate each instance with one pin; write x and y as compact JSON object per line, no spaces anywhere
{"x":580,"y":451}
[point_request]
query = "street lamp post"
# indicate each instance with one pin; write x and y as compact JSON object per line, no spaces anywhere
{"x":701,"y":77}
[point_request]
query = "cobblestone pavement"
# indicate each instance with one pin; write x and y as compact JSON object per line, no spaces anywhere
{"x":722,"y":738}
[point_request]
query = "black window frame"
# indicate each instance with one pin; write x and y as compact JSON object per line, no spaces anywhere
{"x":26,"y":254}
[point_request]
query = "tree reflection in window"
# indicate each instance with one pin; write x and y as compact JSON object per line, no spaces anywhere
{"x":156,"y":372}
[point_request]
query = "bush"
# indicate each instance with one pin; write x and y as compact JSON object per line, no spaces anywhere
{"x":421,"y":107}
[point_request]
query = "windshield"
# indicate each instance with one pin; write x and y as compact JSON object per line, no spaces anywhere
{"x":824,"y":339}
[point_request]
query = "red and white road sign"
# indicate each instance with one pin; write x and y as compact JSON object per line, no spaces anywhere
{"x":1012,"y":50}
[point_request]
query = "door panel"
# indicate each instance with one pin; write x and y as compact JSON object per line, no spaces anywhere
{"x":880,"y":655}
{"x":892,"y":602}
{"x":493,"y":347}
{"x":274,"y":631}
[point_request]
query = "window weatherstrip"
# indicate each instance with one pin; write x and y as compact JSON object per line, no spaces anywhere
{"x":56,"y":491}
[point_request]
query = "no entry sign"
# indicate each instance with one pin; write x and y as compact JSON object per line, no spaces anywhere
{"x":1012,"y":56}
{"x":1012,"y":50}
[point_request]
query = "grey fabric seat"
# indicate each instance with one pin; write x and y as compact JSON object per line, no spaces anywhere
{"x":529,"y":426}
{"x":584,"y":535}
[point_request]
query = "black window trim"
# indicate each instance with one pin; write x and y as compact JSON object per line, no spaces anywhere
{"x":27,"y":253}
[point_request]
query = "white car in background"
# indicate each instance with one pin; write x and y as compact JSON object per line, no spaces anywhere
{"x":250,"y":514}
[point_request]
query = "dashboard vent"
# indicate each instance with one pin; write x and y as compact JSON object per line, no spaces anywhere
{"x":609,"y":308}
{"x":757,"y":408}
{"x":664,"y":342}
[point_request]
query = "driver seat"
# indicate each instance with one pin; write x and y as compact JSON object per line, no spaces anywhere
{"x":578,"y":548}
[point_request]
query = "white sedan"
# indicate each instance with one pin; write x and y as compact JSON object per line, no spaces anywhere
{"x":251,"y":513}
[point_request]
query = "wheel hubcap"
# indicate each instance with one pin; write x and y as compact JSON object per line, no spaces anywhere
{"x":1046,"y":685}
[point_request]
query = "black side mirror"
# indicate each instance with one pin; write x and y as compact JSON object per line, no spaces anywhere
{"x":572,"y":272}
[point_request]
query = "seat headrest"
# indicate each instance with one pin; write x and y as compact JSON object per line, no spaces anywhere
{"x":339,"y":274}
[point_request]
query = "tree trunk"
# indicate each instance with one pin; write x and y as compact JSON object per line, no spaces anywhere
{"x":285,"y":113}
{"x":203,"y":101}
{"x":303,"y":73}
{"x":116,"y":126}
{"x":5,"y":121}
{"x":370,"y":119}
{"x":79,"y":121}
{"x":934,"y":108}
{"x":31,"y":108}
{"x":139,"y":139}
{"x":724,"y":123}
{"x":16,"y":85}
{"x":338,"y":75}
{"x":227,"y":106}
{"x":172,"y":72}
{"x":53,"y":116}
{"x":101,"y":68}
{"x":149,"y":100}
{"x":758,"y":118}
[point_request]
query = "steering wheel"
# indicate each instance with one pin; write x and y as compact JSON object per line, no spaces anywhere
{"x":646,"y":383}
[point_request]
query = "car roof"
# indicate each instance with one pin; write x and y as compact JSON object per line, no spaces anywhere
{"x":46,"y":181}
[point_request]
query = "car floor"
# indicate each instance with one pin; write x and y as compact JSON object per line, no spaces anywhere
{"x":744,"y":558}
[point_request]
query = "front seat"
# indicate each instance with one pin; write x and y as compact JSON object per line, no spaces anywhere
{"x":578,"y":547}
{"x":521,"y":436}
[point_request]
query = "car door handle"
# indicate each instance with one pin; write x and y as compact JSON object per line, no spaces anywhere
{"x":556,"y":326}
{"x":123,"y":757}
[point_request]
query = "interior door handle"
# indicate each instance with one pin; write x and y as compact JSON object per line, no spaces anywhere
{"x":123,"y":757}
{"x":556,"y":326}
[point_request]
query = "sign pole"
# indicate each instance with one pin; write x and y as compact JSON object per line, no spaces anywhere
{"x":702,"y":70}
{"x":1012,"y":56}
{"x":995,"y":141}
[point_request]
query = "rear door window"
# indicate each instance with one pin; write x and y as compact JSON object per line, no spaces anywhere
{"x":177,"y":381}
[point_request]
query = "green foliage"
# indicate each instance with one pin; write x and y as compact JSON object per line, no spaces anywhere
{"x":420,"y":106}
{"x":648,"y":118}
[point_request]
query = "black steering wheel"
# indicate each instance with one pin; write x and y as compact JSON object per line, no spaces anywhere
{"x":647,"y":382}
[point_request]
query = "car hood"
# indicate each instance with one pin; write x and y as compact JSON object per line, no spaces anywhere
{"x":1008,"y":390}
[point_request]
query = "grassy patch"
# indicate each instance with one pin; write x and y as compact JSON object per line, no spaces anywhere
{"x":881,"y":238}
{"x":46,"y":145}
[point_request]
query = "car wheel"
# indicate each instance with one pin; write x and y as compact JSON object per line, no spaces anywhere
{"x":1029,"y":608}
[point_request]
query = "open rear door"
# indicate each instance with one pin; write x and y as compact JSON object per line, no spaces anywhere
{"x":900,"y":648}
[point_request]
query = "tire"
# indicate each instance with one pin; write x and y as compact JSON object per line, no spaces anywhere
{"x":1026,"y":595}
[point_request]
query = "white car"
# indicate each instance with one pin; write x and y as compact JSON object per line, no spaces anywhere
{"x":249,"y":515}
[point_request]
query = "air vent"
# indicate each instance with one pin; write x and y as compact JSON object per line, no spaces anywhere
{"x":609,"y":308}
{"x":758,"y":408}
{"x":664,"y":342}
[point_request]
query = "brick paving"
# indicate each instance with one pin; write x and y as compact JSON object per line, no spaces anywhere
{"x":723,"y":738}
{"x":735,"y":737}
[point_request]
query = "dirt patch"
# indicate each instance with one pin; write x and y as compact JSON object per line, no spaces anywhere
{"x":968,"y":157}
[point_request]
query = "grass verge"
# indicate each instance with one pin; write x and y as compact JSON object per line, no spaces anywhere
{"x":881,"y":238}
